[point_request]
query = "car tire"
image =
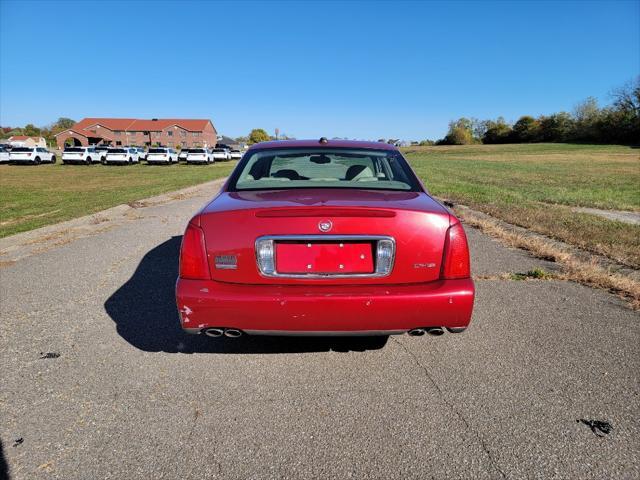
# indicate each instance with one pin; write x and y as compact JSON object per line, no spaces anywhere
{"x":37,"y":160}
{"x":130,"y":161}
{"x":53,"y":160}
{"x":88,"y":161}
{"x":103,"y":161}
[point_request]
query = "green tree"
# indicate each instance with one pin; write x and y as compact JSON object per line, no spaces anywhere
{"x":258,"y":135}
{"x":460,"y":133}
{"x":63,"y":123}
{"x":526,"y":129}
{"x":497,"y":131}
{"x":30,"y":130}
{"x":587,"y":118}
{"x":557,"y":127}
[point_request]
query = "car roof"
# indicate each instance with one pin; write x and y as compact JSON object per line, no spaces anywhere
{"x":328,"y":144}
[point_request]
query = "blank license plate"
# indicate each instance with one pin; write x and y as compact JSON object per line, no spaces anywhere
{"x":338,"y":258}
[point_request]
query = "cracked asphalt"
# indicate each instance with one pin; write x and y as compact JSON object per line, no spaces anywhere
{"x":97,"y":380}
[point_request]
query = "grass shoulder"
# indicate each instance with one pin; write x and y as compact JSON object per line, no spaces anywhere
{"x":35,"y":196}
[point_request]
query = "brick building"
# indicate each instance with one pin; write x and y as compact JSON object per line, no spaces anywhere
{"x":24,"y":141}
{"x":168,"y":132}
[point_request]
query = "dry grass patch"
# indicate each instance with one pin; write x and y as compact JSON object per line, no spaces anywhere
{"x":585,"y":272}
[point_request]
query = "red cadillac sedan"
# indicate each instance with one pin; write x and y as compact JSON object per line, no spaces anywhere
{"x":325,"y":237}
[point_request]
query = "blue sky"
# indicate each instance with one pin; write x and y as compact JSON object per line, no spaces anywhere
{"x":347,"y":69}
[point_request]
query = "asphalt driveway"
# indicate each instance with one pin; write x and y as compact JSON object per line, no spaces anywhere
{"x":97,"y":380}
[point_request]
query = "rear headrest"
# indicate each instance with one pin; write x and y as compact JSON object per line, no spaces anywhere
{"x":356,"y":172}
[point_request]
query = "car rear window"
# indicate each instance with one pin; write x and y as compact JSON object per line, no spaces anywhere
{"x":117,"y":150}
{"x":197,"y":150}
{"x":272,"y":169}
{"x":157,"y":150}
{"x":74,"y":149}
{"x":218,"y":150}
{"x":22,"y":149}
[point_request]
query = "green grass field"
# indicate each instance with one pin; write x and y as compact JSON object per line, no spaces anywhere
{"x":34,"y":196}
{"x":537,"y":185}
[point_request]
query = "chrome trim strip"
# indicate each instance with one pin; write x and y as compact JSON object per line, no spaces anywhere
{"x":328,"y":333}
{"x":335,"y":238}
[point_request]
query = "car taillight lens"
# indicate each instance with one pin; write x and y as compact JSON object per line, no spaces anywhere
{"x":385,"y":251}
{"x":193,"y":255}
{"x":265,"y":254}
{"x":455,"y":260}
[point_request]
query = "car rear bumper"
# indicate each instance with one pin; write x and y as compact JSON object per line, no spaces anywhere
{"x":317,"y":310}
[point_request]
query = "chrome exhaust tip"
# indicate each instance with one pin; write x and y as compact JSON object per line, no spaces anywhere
{"x":416,"y":332}
{"x":232,"y":333}
{"x":436,"y":331}
{"x":456,"y":329}
{"x":214,"y":332}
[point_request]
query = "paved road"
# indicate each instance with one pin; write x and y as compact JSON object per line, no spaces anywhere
{"x":131,"y":397}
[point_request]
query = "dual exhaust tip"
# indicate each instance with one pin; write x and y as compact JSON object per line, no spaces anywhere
{"x":219,"y":332}
{"x":435,"y":331}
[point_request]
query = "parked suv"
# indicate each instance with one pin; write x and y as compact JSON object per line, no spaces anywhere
{"x":4,"y":154}
{"x":221,"y":154}
{"x":126,"y":155}
{"x":35,"y":155}
{"x":142,"y":155}
{"x":199,"y":155}
{"x":102,"y":150}
{"x":162,"y":155}
{"x":182,"y":156}
{"x":235,"y":154}
{"x":86,"y":155}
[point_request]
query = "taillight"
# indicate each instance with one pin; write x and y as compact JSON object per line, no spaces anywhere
{"x":455,"y":260}
{"x":193,"y":255}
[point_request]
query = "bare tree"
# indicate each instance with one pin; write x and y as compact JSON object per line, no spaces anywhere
{"x":627,"y":97}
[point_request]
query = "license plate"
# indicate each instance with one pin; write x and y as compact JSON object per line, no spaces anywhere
{"x":335,"y":258}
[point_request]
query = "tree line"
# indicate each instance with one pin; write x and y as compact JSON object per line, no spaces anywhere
{"x":617,"y":123}
{"x":48,"y":132}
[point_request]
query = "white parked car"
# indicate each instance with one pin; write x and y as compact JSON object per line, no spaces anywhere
{"x":126,"y":155}
{"x":182,"y":156}
{"x":235,"y":154}
{"x":102,"y":150}
{"x":4,"y":154}
{"x":221,"y":154}
{"x":86,"y":155}
{"x":142,"y":155}
{"x":162,"y":155}
{"x":199,"y":155}
{"x":35,"y":155}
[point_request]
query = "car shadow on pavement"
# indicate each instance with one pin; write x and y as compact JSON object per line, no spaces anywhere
{"x":145,"y":314}
{"x":4,"y":468}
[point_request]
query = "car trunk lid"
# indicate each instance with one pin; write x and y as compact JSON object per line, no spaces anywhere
{"x":325,"y":236}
